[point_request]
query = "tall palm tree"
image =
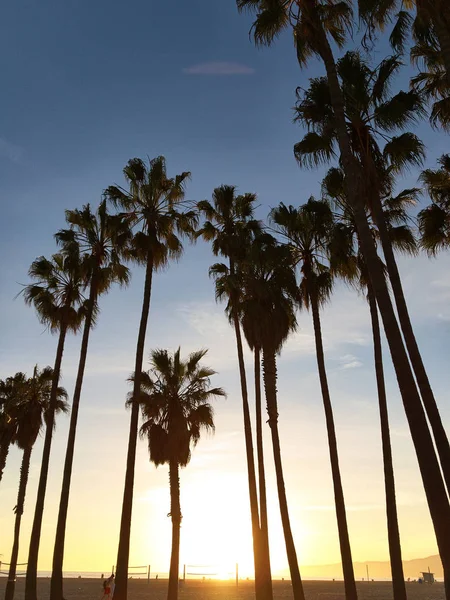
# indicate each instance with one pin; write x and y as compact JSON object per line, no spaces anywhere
{"x":10,"y":396}
{"x":314,"y":24}
{"x":175,"y":406}
{"x":230,"y":226}
{"x":307,"y":231}
{"x":154,"y":205}
{"x":267,"y":310}
{"x":102,"y":240}
{"x":372,"y":115}
{"x":346,"y":260}
{"x":57,"y":298}
{"x":30,"y":414}
{"x":434,"y":220}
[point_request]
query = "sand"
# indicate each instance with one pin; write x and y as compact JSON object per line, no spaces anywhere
{"x":90,"y":589}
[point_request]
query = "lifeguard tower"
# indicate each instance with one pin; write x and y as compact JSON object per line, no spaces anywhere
{"x":428,"y":577}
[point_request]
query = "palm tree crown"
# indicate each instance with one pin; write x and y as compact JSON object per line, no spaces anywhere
{"x":307,"y":230}
{"x":102,"y":241}
{"x":175,"y":407}
{"x":372,"y":116}
{"x":434,"y":220}
{"x":57,"y":292}
{"x":154,"y":205}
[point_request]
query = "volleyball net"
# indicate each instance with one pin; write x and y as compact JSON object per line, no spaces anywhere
{"x":139,"y":572}
{"x":4,"y":572}
{"x":206,"y":572}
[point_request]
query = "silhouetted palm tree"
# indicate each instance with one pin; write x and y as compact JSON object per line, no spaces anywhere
{"x":347,"y":261}
{"x":267,"y":309}
{"x":154,"y":205}
{"x":307,"y":231}
{"x":372,"y":114}
{"x":230,"y":226}
{"x":10,"y":396}
{"x":29,"y":415}
{"x":255,"y":345}
{"x":174,"y":400}
{"x":102,"y":240}
{"x":434,"y":220}
{"x":57,"y":297}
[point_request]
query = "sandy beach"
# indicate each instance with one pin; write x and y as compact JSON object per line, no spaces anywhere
{"x":90,"y":589}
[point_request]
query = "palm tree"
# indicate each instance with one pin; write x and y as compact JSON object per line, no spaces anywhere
{"x":57,"y":298}
{"x":174,"y":400}
{"x":431,"y":23}
{"x":102,"y":240}
{"x":313,"y":23}
{"x":267,"y":310}
{"x":372,"y":114}
{"x":346,"y":260}
{"x":432,"y":82}
{"x":434,"y":220}
{"x":30,"y":413}
{"x":10,"y":396}
{"x":230,"y":226}
{"x":255,"y":346}
{"x":152,"y":205}
{"x":307,"y":231}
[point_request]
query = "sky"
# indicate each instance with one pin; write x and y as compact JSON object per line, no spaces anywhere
{"x":89,"y":85}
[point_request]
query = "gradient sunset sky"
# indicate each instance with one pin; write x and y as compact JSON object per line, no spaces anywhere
{"x":88,"y":85}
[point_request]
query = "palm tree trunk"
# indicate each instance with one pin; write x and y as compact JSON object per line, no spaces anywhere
{"x":265,"y":548}
{"x":341,"y":516}
{"x":175,"y":513}
{"x":426,"y":455}
{"x":429,"y":401}
{"x":56,"y":585}
{"x":33,"y":553}
{"x":270,"y":386}
{"x":123,"y":552}
{"x":254,"y":511}
{"x":395,"y":550}
{"x":4,"y":450}
{"x":24,"y":470}
{"x":261,"y":590}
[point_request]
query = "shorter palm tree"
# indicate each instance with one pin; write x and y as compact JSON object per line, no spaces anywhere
{"x":174,"y":401}
{"x":434,"y":220}
{"x":29,"y":415}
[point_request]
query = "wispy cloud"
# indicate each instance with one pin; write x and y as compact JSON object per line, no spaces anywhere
{"x":218,"y":68}
{"x":10,"y":151}
{"x":348,"y":361}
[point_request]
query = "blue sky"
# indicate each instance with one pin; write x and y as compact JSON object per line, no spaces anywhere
{"x":86,"y":86}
